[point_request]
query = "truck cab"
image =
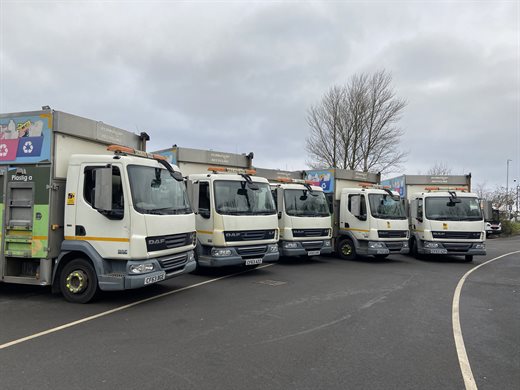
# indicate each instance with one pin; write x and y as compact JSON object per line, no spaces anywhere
{"x":372,"y":221}
{"x":304,"y":218}
{"x":446,"y":222}
{"x":235,"y":218}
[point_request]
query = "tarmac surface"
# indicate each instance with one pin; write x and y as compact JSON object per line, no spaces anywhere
{"x":320,"y":323}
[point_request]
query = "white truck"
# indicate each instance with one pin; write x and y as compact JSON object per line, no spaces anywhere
{"x":444,"y":217}
{"x":85,"y":208}
{"x":304,"y":218}
{"x":367,"y":218}
{"x":235,"y":218}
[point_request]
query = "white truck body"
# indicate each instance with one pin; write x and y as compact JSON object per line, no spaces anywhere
{"x":80,"y":217}
{"x":304,"y":217}
{"x":366,"y":221}
{"x":235,"y":219}
{"x":304,"y":220}
{"x":444,"y":217}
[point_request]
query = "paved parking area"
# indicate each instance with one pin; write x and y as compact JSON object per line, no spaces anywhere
{"x":319,"y":323}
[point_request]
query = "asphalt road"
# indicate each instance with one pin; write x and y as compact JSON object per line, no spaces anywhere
{"x":321,"y":323}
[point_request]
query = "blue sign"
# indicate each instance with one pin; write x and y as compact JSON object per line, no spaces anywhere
{"x":29,"y":146}
{"x":323,"y":178}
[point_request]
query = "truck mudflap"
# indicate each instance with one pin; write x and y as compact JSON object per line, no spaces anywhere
{"x":239,"y":255}
{"x":305,"y":248}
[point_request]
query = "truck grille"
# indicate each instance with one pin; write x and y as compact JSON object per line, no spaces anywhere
{"x":249,"y":235}
{"x":310,"y":232}
{"x":456,"y":247}
{"x":392,"y":233}
{"x":312,"y":245}
{"x":159,"y":243}
{"x":457,"y":235}
{"x":171,"y":263}
{"x":394,"y":246}
{"x":252,"y":251}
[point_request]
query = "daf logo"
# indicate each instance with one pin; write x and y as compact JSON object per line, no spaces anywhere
{"x":156,"y":241}
{"x":233,"y":234}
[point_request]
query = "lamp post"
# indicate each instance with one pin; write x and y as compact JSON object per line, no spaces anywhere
{"x":508,"y":211}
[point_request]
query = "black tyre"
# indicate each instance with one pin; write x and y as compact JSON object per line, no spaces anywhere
{"x":468,"y":258}
{"x":78,"y":281}
{"x":414,"y":251}
{"x":346,"y":249}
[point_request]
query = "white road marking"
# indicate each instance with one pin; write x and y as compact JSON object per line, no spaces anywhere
{"x":108,"y":312}
{"x":465,"y":368}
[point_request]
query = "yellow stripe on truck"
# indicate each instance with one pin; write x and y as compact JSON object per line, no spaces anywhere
{"x":356,"y":230}
{"x":204,"y":232}
{"x":86,"y":238}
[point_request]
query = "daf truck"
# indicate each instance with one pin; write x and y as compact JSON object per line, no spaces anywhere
{"x":445,"y":218}
{"x":235,"y":218}
{"x":368,"y":220}
{"x":304,"y":218}
{"x":85,"y":208}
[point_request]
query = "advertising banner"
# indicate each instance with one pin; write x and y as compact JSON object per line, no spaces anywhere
{"x":322,"y":178}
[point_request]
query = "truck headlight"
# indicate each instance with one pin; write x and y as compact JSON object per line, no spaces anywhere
{"x":191,"y":256}
{"x":290,"y":245}
{"x":272,"y":248}
{"x":220,"y":252}
{"x":432,"y":245}
{"x":326,"y":243}
{"x":479,"y":246}
{"x":376,"y":245}
{"x":141,"y":268}
{"x":405,"y":244}
{"x":193,"y":238}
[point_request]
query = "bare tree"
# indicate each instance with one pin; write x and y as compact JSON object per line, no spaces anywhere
{"x":355,"y":126}
{"x":439,"y":168}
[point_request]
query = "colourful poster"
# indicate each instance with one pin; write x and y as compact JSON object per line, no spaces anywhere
{"x":25,"y":139}
{"x":323,"y":178}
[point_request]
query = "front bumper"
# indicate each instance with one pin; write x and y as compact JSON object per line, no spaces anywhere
{"x":239,"y":255}
{"x":453,"y":248}
{"x":374,"y":248}
{"x":165,"y":267}
{"x":304,"y":248}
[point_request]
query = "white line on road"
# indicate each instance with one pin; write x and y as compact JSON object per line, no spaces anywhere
{"x":465,"y":368}
{"x":108,"y":312}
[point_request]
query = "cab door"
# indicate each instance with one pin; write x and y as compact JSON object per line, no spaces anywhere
{"x":354,"y":215}
{"x":107,"y":231}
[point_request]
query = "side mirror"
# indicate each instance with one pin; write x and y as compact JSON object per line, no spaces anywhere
{"x":177,"y":175}
{"x":204,"y":213}
{"x":102,"y":200}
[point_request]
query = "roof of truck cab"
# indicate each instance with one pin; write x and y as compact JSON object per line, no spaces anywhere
{"x":225,"y":176}
{"x":295,"y":186}
{"x":362,"y":190}
{"x":77,"y":159}
{"x":459,"y":194}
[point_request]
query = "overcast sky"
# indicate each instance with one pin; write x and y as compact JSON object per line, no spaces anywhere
{"x":240,"y":76}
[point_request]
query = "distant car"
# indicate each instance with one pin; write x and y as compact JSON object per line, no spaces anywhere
{"x":493,"y":228}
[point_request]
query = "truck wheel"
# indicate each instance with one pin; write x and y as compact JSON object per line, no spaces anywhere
{"x":78,"y":281}
{"x":468,"y":258}
{"x":346,"y":249}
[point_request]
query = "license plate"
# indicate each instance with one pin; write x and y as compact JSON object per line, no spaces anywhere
{"x":154,"y":279}
{"x":253,"y":261}
{"x":438,"y":251}
{"x":313,"y":253}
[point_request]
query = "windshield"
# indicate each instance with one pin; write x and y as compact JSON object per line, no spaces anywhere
{"x":385,"y":207}
{"x":303,"y":203}
{"x":154,"y":191}
{"x":236,"y":198}
{"x":443,"y":209}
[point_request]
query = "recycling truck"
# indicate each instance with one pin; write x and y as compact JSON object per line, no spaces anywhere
{"x":304,"y":218}
{"x":368,"y":219}
{"x":235,"y":218}
{"x":85,"y":208}
{"x":445,"y":218}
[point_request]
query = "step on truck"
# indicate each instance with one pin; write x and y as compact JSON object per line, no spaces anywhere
{"x":304,"y":218}
{"x":85,"y":208}
{"x":368,"y":220}
{"x":445,"y":218}
{"x":235,"y":218}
